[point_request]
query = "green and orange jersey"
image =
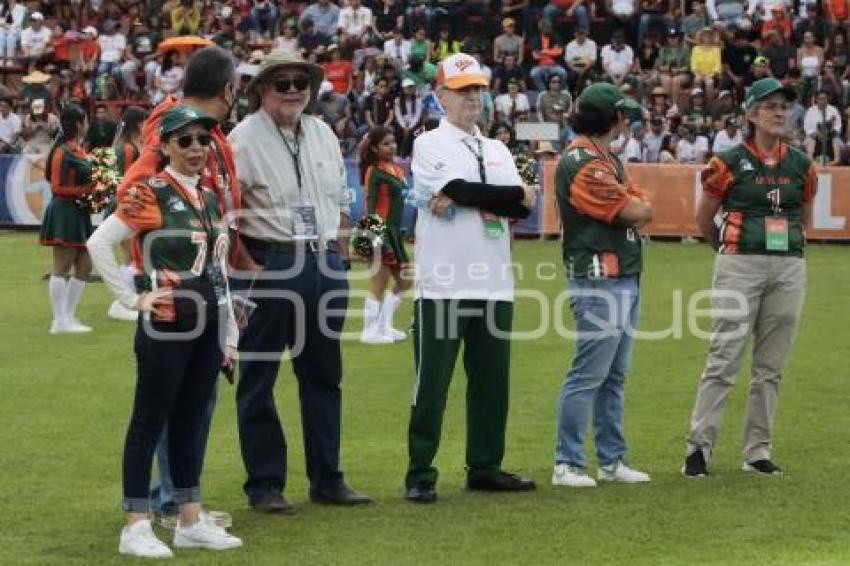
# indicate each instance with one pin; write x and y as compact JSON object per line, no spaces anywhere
{"x":751,"y":187}
{"x":125,"y":156}
{"x":70,"y":171}
{"x":384,"y":185}
{"x":592,"y":189}
{"x":176,"y":232}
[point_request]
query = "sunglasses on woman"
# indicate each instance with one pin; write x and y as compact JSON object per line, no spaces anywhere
{"x":283,"y":85}
{"x":185,"y":141}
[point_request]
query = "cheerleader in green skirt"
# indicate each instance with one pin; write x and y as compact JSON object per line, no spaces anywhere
{"x":384,"y":186}
{"x":65,"y":226}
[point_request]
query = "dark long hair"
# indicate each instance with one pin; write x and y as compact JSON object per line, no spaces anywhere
{"x":70,"y":120}
{"x":131,"y":125}
{"x":368,"y":155}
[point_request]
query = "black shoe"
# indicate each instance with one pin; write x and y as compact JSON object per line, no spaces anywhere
{"x":421,"y":493}
{"x":272,"y":503}
{"x":764,"y":467}
{"x":695,"y":466}
{"x":499,"y":481}
{"x":343,"y":495}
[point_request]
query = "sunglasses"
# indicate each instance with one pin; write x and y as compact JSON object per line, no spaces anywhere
{"x":185,"y":141}
{"x":284,"y":85}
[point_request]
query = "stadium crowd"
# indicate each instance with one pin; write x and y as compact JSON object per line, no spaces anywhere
{"x":689,"y":64}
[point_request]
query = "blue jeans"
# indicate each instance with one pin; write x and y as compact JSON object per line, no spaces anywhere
{"x":162,"y":492}
{"x":540,"y":75}
{"x":606,"y":313}
{"x":552,"y":13}
{"x":264,"y":19}
{"x":646,"y":20}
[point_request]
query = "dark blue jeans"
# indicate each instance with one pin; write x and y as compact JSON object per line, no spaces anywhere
{"x":301,"y":300}
{"x":175,"y":380}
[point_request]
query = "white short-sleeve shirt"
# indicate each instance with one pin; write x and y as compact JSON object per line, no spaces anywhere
{"x":454,"y":257}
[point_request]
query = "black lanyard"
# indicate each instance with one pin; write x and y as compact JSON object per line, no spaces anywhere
{"x":479,"y":157}
{"x":295,"y":154}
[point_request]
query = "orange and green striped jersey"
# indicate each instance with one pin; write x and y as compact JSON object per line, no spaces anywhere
{"x":70,"y":170}
{"x":752,"y":187}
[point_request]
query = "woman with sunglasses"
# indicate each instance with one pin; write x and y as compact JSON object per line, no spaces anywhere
{"x":384,"y":185}
{"x":180,"y":247}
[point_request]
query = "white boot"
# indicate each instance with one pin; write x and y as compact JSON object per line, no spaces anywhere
{"x":385,"y":319}
{"x":74,"y":291}
{"x":371,"y":331}
{"x":57,"y":286}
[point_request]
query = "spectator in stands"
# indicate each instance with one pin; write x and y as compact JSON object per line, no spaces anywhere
{"x":101,"y":132}
{"x":706,"y":62}
{"x":653,"y":139}
{"x":338,"y":70}
{"x":186,"y":18}
{"x":728,"y":137}
{"x":822,"y":126}
{"x":837,"y":14}
{"x":698,"y":114}
{"x":780,"y":23}
{"x":421,"y":72}
{"x":508,"y":43}
{"x":506,"y":71}
{"x":225,"y":37}
{"x":379,"y":106}
{"x":420,"y":45}
{"x":169,"y":77}
{"x":667,"y":152}
{"x":354,"y":21}
{"x":725,"y":107}
{"x":691,"y":148}
{"x":419,"y":14}
{"x":503,"y":132}
{"x":140,"y":53}
{"x":388,"y":17}
{"x":831,"y":84}
{"x":10,"y":128}
{"x":695,"y":21}
{"x":839,"y":53}
{"x":623,"y":11}
{"x":654,"y":13}
{"x":555,"y":102}
{"x":446,"y":45}
{"x":647,"y":55}
{"x":659,"y":103}
{"x":575,"y":9}
{"x":35,"y":87}
{"x":546,"y":50}
{"x":12,"y":16}
{"x":635,"y":149}
{"x":738,"y":58}
{"x":263,"y":19}
{"x":407,"y":111}
{"x":39,"y":128}
{"x":35,"y":40}
{"x":779,"y":54}
{"x":310,"y":40}
{"x":397,"y":49}
{"x":815,"y":23}
{"x":510,"y":107}
{"x":810,"y":58}
{"x":673,"y":64}
{"x":112,"y":45}
{"x":618,"y":59}
{"x":333,"y":108}
{"x":325,"y":15}
{"x":728,"y":13}
{"x":580,"y":58}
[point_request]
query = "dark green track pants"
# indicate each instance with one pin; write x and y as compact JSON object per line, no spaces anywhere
{"x":439,"y":327}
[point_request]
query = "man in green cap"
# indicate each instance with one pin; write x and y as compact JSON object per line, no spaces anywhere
{"x":601,"y":211}
{"x":765,"y":190}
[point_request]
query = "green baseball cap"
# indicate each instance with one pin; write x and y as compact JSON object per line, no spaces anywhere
{"x":604,"y":98}
{"x":763,"y":88}
{"x":181,"y":116}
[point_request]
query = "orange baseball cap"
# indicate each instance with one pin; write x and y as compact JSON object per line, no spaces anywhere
{"x":459,"y":71}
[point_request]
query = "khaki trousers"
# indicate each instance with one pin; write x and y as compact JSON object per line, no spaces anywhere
{"x":767,"y":292}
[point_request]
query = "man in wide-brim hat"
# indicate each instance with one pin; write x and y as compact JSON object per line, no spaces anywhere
{"x":295,"y":211}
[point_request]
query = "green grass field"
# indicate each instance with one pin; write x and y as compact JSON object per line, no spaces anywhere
{"x":66,"y":399}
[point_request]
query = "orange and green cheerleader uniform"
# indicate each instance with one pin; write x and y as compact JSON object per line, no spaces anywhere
{"x":385,"y":188}
{"x":65,"y":223}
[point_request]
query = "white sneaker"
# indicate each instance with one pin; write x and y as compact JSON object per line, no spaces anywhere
{"x":139,"y":540}
{"x":571,"y":476}
{"x":618,"y":471}
{"x":374,"y":336}
{"x":204,"y":534}
{"x":222,"y":519}
{"x":396,"y":335}
{"x":74,"y":326}
{"x":119,"y":312}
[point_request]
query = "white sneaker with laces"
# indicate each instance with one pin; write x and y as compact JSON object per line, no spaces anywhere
{"x":119,"y":312}
{"x":139,"y":540}
{"x":222,"y":519}
{"x":373,"y":336}
{"x":619,"y":471}
{"x":204,"y":534}
{"x":571,"y":476}
{"x":74,"y":326}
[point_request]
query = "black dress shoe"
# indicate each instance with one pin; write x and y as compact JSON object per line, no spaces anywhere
{"x":421,"y":493}
{"x":499,"y":481}
{"x":343,"y":495}
{"x":272,"y":503}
